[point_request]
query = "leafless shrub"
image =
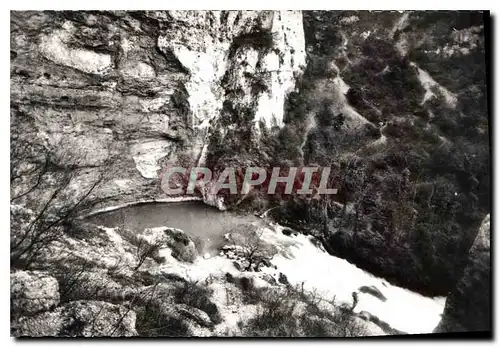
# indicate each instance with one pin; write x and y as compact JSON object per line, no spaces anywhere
{"x":247,"y":242}
{"x":47,"y":185}
{"x":82,"y":281}
{"x":292,"y":312}
{"x":145,"y":250}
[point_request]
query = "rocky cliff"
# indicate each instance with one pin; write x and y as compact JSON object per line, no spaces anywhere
{"x":394,"y":102}
{"x":468,"y":307}
{"x":141,"y":89}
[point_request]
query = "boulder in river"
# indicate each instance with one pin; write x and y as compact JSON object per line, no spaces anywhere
{"x":373,"y":291}
{"x":182,"y":246}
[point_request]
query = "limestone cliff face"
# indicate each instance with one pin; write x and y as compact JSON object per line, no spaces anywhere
{"x":143,"y":87}
{"x":211,"y":45}
{"x":468,"y":307}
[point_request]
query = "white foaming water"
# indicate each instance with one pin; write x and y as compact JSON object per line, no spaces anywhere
{"x":304,"y":262}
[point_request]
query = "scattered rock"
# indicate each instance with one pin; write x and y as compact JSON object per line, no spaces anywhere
{"x":287,"y":231}
{"x":32,"y":292}
{"x":79,"y":318}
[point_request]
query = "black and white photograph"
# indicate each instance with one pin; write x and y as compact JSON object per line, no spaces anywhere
{"x":250,"y":173}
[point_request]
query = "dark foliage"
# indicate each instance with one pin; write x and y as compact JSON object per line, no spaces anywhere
{"x":258,"y":39}
{"x":417,"y":201}
{"x":151,"y":322}
{"x":197,"y":296}
{"x":381,"y":76}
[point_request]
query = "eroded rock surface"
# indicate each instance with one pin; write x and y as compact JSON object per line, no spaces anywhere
{"x":141,"y":88}
{"x":468,"y":307}
{"x":32,"y":292}
{"x":80,"y":318}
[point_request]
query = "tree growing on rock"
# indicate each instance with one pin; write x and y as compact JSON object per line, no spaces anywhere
{"x":248,"y":244}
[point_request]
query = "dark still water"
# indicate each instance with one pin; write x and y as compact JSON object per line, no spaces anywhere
{"x":196,"y":219}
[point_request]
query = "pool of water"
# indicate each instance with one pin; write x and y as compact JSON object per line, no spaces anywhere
{"x":196,"y":219}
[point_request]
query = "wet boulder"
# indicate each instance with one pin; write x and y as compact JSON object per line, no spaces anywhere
{"x":182,"y":246}
{"x":372,"y":290}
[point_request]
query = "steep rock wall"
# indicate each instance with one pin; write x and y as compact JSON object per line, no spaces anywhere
{"x":140,"y":89}
{"x":468,"y":307}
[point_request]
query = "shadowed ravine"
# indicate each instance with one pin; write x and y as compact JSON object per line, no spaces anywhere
{"x":325,"y":273}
